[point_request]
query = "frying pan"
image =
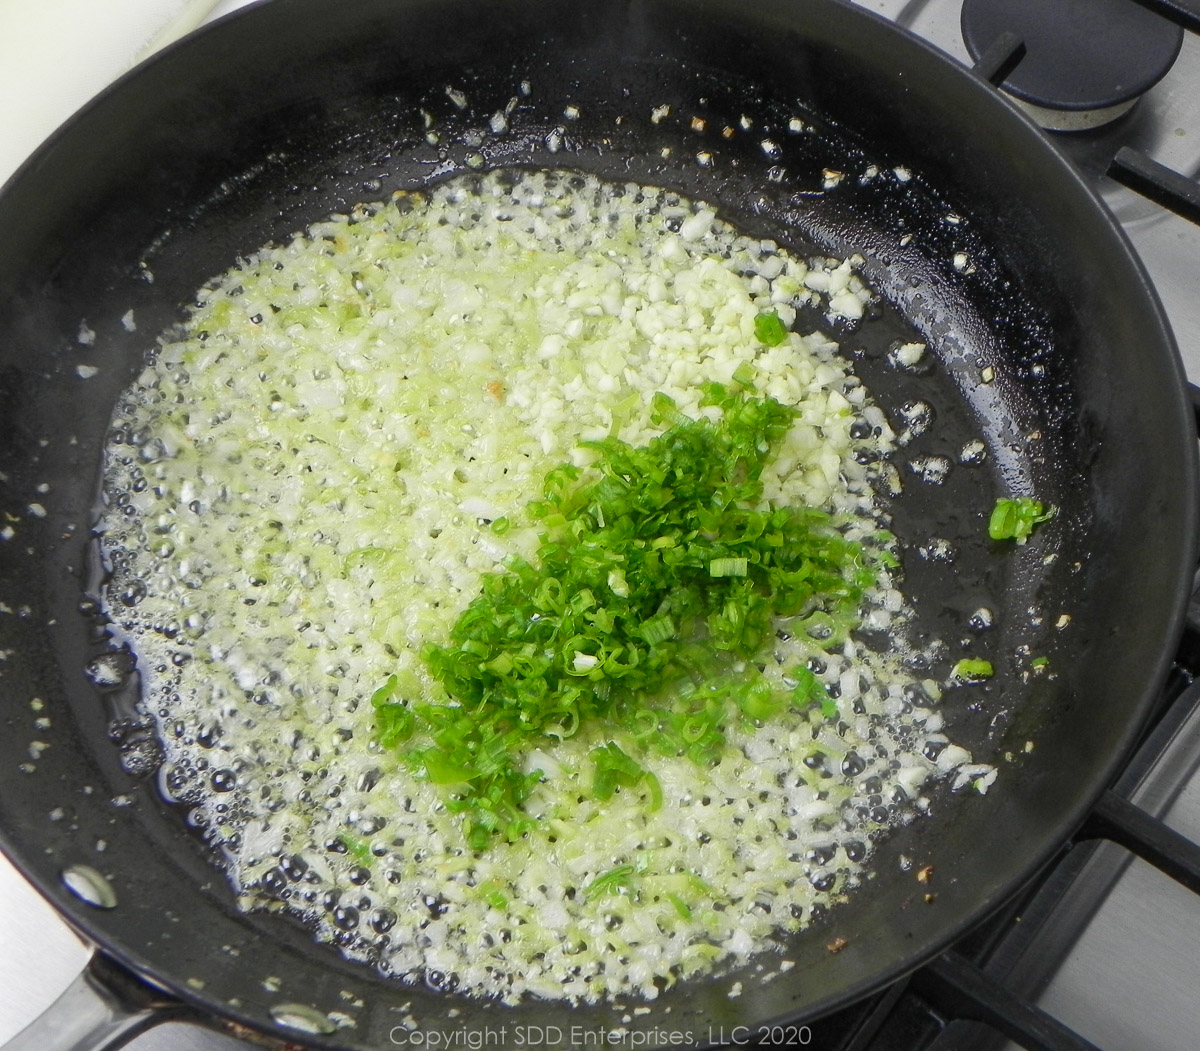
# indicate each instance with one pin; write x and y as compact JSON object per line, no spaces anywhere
{"x":1046,"y":343}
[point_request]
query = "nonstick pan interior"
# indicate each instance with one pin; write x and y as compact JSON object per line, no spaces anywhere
{"x":1046,"y":344}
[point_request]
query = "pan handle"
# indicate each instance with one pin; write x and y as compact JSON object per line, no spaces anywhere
{"x":104,"y":1008}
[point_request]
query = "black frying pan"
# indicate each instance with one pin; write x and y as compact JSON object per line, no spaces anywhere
{"x":299,"y":107}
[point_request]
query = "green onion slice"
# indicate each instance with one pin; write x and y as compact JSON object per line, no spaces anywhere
{"x":1015,"y":519}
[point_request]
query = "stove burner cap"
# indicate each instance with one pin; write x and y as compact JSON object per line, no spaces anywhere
{"x":1086,"y":61}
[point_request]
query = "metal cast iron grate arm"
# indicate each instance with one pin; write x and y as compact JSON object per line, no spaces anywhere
{"x":956,"y":987}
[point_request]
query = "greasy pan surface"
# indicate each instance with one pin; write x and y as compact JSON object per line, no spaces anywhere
{"x":241,"y":136}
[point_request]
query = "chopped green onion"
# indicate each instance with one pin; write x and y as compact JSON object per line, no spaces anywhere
{"x":612,"y":882}
{"x":664,"y":410}
{"x":769,"y":329}
{"x":656,"y":795}
{"x":809,"y":691}
{"x":443,"y":771}
{"x":972,"y":670}
{"x":492,"y":892}
{"x":359,"y":849}
{"x":658,"y":629}
{"x":657,"y":569}
{"x":394,"y":723}
{"x":744,"y":374}
{"x":681,"y":907}
{"x":614,"y":769}
{"x":728,"y":567}
{"x":759,"y":701}
{"x":384,"y":694}
{"x":501,"y":664}
{"x":1015,"y":519}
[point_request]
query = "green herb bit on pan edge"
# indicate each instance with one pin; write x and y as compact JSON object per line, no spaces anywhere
{"x":971,"y":669}
{"x":657,"y":581}
{"x":1015,"y":519}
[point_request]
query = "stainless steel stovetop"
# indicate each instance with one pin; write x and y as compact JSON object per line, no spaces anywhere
{"x":1130,"y":980}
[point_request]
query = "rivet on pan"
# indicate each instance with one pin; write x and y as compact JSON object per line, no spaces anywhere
{"x":88,"y":885}
{"x":303,"y":1018}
